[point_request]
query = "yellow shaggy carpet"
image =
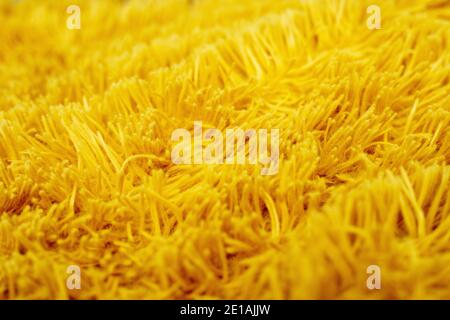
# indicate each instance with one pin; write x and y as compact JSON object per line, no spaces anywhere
{"x":86,"y":177}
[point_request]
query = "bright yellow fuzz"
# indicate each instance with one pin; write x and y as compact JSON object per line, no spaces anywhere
{"x":86,"y":176}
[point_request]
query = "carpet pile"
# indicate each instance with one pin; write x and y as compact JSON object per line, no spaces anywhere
{"x":87,"y":180}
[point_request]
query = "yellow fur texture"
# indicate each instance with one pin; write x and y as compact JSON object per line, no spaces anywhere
{"x":86,"y":176}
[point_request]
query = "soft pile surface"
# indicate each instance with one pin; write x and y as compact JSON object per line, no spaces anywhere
{"x":86,"y":176}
